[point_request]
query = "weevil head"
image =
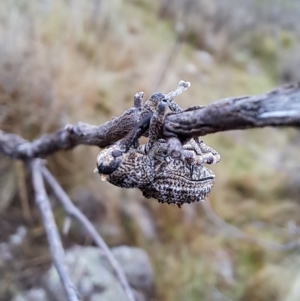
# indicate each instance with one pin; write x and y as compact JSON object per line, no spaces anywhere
{"x":109,"y":159}
{"x":124,"y":169}
{"x":154,"y":100}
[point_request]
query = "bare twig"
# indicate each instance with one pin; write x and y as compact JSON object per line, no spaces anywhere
{"x":182,"y":86}
{"x":55,"y":244}
{"x":234,"y":232}
{"x":175,"y":50}
{"x":70,"y":136}
{"x":171,"y":57}
{"x":74,"y":212}
{"x":23,"y":192}
{"x":280,"y":107}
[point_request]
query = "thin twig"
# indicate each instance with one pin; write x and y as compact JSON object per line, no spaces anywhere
{"x":23,"y":192}
{"x":175,"y":50}
{"x":169,"y":60}
{"x":182,"y":86}
{"x":56,"y":248}
{"x":238,"y":234}
{"x":74,"y":212}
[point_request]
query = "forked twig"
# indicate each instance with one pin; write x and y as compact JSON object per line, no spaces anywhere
{"x":74,"y":212}
{"x":56,"y":248}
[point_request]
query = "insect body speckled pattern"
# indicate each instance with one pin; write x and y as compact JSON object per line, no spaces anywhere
{"x":153,"y":170}
{"x":157,"y":174}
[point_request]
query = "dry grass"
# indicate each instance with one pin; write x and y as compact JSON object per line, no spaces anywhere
{"x":62,"y":62}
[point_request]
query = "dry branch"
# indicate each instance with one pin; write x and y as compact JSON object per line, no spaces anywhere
{"x":280,"y":107}
{"x":74,"y":212}
{"x":56,"y":248}
{"x":70,"y":136}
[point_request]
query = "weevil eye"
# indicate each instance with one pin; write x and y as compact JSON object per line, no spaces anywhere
{"x":116,"y":153}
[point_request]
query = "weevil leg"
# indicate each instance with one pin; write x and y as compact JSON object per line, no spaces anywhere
{"x":133,"y":136}
{"x":210,"y":155}
{"x":156,"y":123}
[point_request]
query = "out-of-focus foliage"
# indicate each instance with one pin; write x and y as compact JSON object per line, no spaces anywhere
{"x":235,"y":30}
{"x":68,"y":61}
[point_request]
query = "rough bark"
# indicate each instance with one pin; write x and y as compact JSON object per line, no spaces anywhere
{"x":280,"y":107}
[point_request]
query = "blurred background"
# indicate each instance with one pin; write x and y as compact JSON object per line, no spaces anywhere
{"x":83,"y":60}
